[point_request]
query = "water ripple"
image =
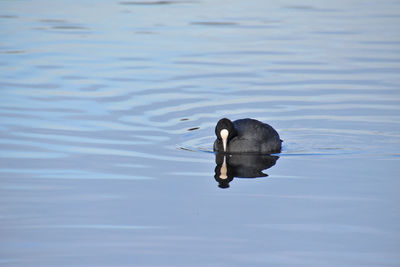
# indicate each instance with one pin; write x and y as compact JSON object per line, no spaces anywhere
{"x":107,"y":119}
{"x":120,"y":95}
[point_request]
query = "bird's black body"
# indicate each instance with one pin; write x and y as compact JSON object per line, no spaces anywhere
{"x":247,"y":136}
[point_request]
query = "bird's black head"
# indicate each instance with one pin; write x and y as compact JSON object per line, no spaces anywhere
{"x":225,"y":131}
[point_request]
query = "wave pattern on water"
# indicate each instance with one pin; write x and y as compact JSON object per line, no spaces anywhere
{"x":130,"y":101}
{"x":107,"y":116}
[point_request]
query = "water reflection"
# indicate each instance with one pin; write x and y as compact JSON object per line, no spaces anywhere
{"x":230,"y":166}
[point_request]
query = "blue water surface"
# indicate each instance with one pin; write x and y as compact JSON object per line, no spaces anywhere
{"x":107,"y":116}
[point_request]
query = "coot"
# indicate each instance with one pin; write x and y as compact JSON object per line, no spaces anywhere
{"x":246,"y":136}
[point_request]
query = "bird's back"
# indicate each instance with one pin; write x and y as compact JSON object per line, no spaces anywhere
{"x":253,"y":129}
{"x":255,"y":136}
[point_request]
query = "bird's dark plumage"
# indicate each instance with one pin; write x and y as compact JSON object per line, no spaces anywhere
{"x":247,"y":136}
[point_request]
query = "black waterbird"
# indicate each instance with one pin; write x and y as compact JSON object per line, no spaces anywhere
{"x":246,"y":136}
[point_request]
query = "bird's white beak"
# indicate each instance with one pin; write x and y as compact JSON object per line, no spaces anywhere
{"x":224,"y":135}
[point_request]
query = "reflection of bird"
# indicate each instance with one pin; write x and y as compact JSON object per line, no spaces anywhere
{"x":242,"y":166}
{"x":246,"y":136}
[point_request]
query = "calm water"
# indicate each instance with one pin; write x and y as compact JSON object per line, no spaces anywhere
{"x":107,"y":123}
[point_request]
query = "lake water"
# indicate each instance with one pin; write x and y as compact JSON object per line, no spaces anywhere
{"x":108,"y":111}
